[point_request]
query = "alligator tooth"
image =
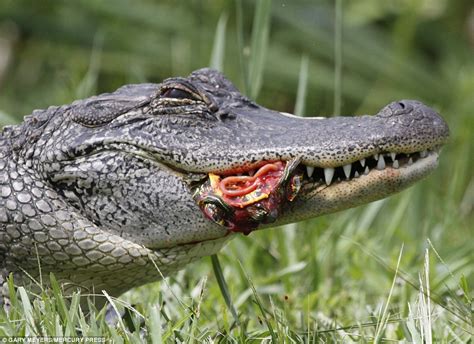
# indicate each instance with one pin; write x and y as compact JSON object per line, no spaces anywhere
{"x":395,"y":164}
{"x":366,"y":171}
{"x":362,"y":162}
{"x":423,"y":154}
{"x":347,"y":170}
{"x":376,"y":156}
{"x":356,"y":174}
{"x":328,"y":174}
{"x":393,"y":156}
{"x":309,"y":170}
{"x":381,"y":163}
{"x":410,"y":161}
{"x":251,"y":173}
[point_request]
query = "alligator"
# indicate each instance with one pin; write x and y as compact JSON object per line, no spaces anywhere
{"x":121,"y":189}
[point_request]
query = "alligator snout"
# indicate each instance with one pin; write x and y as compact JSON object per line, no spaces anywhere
{"x":415,"y":110}
{"x":412,"y":126}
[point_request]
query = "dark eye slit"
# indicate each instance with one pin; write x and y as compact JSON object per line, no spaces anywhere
{"x":176,"y":93}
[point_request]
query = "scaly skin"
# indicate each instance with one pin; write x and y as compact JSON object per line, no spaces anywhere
{"x":101,"y":190}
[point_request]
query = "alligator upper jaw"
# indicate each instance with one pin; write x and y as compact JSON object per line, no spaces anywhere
{"x":306,"y":191}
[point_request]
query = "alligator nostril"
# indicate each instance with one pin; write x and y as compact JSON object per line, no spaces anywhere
{"x":402,"y":104}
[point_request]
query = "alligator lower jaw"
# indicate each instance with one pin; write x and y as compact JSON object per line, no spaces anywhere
{"x":267,"y":203}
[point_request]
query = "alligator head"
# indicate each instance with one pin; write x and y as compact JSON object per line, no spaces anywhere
{"x":166,"y":172}
{"x":192,"y":159}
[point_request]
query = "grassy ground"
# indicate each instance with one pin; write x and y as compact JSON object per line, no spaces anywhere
{"x":401,"y":269}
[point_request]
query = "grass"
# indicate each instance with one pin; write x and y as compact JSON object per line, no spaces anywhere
{"x":338,"y":278}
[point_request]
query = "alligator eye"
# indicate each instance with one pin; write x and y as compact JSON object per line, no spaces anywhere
{"x":177,"y":93}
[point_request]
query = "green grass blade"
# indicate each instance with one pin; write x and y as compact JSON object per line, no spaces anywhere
{"x":302,"y":87}
{"x":156,"y":334}
{"x":218,"y":49}
{"x":28,"y":313}
{"x":58,"y":327}
{"x":259,"y":46}
{"x":177,"y":324}
{"x":73,"y":314}
{"x":61,"y":304}
{"x":119,"y":317}
{"x":240,"y":46}
{"x":338,"y":58}
{"x":260,"y":305}
{"x":88,"y":84}
{"x":11,"y":292}
{"x":216,"y":266}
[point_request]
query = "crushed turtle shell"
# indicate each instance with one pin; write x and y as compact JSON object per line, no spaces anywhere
{"x":242,"y":203}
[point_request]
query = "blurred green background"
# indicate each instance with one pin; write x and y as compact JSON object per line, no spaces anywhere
{"x":56,"y":51}
{"x":339,"y":267}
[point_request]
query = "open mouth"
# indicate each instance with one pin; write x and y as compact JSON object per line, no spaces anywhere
{"x":328,"y":176}
{"x":242,"y":201}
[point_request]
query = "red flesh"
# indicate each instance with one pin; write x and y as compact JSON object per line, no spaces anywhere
{"x":255,"y":199}
{"x":242,"y":185}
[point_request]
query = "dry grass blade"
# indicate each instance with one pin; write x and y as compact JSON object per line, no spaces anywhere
{"x":383,"y":320}
{"x":263,"y":313}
